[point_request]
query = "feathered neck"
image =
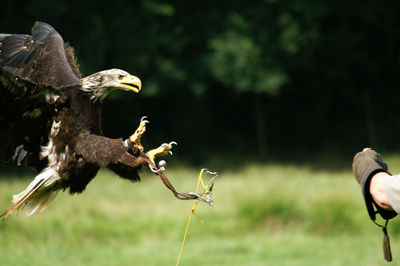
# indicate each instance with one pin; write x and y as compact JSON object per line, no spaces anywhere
{"x":93,"y":86}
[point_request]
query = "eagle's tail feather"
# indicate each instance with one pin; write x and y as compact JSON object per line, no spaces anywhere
{"x":40,"y":203}
{"x":37,"y":195}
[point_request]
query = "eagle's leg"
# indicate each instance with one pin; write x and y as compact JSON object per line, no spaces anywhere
{"x":135,"y":137}
{"x":163,"y":150}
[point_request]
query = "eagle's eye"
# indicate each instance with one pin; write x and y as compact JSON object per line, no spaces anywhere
{"x":120,"y":77}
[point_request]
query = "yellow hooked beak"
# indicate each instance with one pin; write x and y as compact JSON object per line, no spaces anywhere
{"x":131,"y":83}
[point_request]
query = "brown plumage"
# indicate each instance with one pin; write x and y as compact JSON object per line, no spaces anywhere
{"x":50,"y":117}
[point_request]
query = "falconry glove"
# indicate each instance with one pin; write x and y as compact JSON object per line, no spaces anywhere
{"x":366,"y":164}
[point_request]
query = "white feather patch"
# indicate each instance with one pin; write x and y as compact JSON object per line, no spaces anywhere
{"x":46,"y":150}
{"x":55,"y":128}
{"x":39,"y":192}
{"x":44,"y":188}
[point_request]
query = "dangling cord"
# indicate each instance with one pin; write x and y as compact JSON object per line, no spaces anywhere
{"x":386,"y":244}
{"x":207,"y":199}
{"x":387,"y":253}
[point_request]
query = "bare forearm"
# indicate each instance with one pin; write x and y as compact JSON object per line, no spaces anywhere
{"x":377,"y":192}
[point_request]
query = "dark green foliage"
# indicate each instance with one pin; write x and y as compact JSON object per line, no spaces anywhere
{"x":237,"y":77}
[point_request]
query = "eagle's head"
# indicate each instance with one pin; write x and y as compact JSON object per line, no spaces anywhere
{"x":100,"y":84}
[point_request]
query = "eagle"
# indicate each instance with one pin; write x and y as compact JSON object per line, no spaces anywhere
{"x":50,"y":119}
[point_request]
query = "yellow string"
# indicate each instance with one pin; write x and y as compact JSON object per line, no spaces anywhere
{"x":207,"y":189}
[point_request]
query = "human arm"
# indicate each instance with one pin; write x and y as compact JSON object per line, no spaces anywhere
{"x":377,"y":191}
{"x":376,"y":182}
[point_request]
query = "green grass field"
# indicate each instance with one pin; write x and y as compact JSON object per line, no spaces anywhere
{"x":273,"y":214}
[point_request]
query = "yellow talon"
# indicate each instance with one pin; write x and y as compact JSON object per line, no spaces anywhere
{"x":135,"y":137}
{"x":163,"y":150}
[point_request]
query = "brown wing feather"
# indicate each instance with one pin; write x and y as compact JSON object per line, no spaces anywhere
{"x":70,"y":54}
{"x":41,"y":59}
{"x":31,"y":68}
{"x":110,"y":153}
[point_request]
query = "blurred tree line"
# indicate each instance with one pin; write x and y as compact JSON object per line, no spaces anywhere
{"x":247,"y":79}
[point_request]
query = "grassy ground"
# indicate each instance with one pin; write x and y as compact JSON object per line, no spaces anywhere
{"x":263,"y":215}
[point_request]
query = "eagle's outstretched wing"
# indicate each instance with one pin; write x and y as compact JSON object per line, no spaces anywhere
{"x":110,"y":153}
{"x":42,"y":59}
{"x":32,"y":68}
